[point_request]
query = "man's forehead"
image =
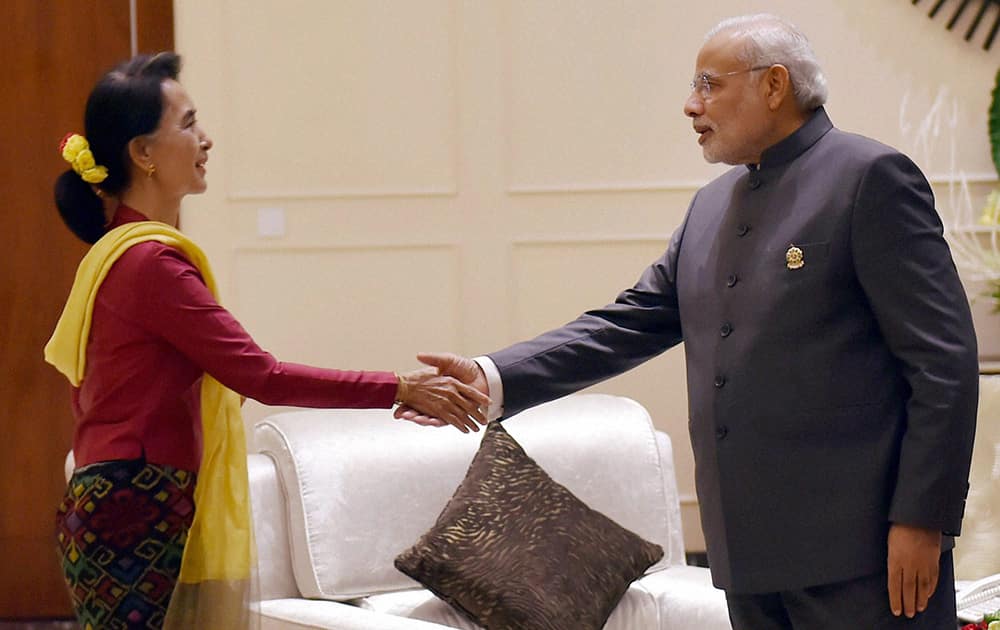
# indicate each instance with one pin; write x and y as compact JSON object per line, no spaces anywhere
{"x":718,"y":53}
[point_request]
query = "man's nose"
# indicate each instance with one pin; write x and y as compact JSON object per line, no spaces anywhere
{"x":693,"y":106}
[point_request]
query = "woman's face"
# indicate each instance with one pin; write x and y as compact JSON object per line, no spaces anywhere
{"x":179,"y":146}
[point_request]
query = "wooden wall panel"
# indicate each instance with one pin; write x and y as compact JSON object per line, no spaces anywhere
{"x":54,"y":51}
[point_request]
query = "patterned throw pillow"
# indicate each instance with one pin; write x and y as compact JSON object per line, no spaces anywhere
{"x":513,"y":549}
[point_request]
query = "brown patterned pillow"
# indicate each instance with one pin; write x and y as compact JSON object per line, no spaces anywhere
{"x":513,"y":549}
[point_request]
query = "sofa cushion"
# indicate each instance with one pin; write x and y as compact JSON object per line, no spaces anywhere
{"x":314,"y":614}
{"x":360,"y":487}
{"x":638,"y":609}
{"x":515,"y":549}
{"x":674,"y":598}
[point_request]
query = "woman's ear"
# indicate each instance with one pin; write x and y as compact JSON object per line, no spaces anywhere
{"x":139,"y":152}
{"x":778,"y":86}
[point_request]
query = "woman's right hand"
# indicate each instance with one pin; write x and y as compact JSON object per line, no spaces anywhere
{"x":442,"y":400}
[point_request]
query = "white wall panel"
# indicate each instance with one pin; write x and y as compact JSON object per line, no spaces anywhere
{"x":350,"y":308}
{"x":602,"y":113}
{"x":528,"y":158}
{"x":554,"y":280}
{"x":346,"y":98}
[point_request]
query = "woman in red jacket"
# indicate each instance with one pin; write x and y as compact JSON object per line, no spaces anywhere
{"x":157,"y":338}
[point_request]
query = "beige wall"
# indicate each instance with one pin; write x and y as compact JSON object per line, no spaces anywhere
{"x":459,"y":175}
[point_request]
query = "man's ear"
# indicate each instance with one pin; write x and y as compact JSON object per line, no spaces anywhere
{"x":778,"y":86}
{"x":139,"y":152}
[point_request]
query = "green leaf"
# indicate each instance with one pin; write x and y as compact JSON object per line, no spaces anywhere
{"x":994,"y":120}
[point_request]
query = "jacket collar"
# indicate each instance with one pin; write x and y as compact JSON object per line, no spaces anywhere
{"x":794,"y":145}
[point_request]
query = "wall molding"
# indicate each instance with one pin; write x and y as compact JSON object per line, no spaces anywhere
{"x":969,"y":178}
{"x":260,"y":248}
{"x":595,"y":239}
{"x":560,"y":240}
{"x":607,"y":187}
{"x":693,"y":185}
{"x":519,"y":190}
{"x":354,"y":264}
{"x":341,"y":193}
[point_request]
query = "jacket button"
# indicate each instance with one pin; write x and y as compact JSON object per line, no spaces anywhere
{"x":732,"y":280}
{"x":726,"y":329}
{"x":720,"y":380}
{"x":742,"y":229}
{"x":721,"y":432}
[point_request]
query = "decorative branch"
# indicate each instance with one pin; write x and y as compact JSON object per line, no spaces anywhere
{"x":984,"y":6}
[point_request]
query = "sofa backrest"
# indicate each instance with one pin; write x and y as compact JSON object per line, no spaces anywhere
{"x":359,"y":487}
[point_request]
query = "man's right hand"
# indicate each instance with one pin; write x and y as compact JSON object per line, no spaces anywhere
{"x":460,"y":368}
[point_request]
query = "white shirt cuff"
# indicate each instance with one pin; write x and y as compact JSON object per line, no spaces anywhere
{"x":495,"y":384}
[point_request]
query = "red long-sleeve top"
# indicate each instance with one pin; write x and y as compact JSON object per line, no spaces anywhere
{"x":155,"y":330}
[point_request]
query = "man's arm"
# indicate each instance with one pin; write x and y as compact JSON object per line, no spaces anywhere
{"x":906,"y":271}
{"x":641,"y":323}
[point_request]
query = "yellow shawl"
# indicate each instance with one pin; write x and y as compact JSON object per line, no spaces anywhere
{"x":219,"y":556}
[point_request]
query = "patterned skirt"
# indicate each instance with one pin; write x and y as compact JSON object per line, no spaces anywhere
{"x":121,"y":529}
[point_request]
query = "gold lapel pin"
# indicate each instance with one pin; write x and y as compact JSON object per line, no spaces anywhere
{"x":793,"y":258}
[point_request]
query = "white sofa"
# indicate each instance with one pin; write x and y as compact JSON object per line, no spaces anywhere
{"x":338,"y":494}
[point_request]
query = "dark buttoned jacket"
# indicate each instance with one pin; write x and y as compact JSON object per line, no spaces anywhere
{"x":831,"y":359}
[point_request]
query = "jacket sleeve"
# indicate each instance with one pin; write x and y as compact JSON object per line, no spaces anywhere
{"x":907,"y":274}
{"x":640,"y":324}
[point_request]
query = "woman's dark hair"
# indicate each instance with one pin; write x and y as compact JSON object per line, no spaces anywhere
{"x":126,"y":102}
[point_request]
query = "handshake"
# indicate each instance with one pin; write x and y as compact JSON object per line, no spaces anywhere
{"x":453,"y":390}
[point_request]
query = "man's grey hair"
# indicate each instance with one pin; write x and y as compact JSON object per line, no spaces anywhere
{"x":770,"y":39}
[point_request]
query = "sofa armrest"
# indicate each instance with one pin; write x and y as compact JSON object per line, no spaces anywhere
{"x":687,"y":599}
{"x":270,"y":523}
{"x":674,"y":550}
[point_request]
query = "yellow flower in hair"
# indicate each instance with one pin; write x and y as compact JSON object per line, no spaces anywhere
{"x":72,"y":145}
{"x":76,"y":150}
{"x":84,"y":161}
{"x":94,"y":175}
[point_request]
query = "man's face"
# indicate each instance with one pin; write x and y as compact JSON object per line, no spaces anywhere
{"x":727,"y":105}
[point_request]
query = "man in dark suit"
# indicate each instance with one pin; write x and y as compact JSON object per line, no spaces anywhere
{"x":831,"y":358}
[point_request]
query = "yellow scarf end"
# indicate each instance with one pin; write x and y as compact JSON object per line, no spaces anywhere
{"x":62,"y":359}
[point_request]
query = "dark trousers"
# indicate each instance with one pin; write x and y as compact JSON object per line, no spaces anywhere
{"x":859,"y":604}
